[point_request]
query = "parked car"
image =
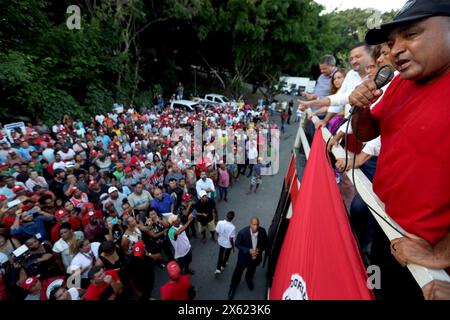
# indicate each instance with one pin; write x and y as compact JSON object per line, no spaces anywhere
{"x":188,"y":105}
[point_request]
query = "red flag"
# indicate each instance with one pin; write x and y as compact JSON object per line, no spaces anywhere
{"x":319,"y":259}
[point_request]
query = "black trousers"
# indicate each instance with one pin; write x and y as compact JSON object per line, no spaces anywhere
{"x":224,"y":254}
{"x":239,"y":270}
{"x":184,"y":262}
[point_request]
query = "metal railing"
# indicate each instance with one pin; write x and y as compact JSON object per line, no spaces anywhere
{"x":421,"y":274}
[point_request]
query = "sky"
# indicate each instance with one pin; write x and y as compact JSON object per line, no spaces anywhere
{"x":382,"y":5}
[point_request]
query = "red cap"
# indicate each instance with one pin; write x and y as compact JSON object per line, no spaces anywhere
{"x":25,"y":208}
{"x":186,"y":196}
{"x":61,"y":213}
{"x":124,"y":153}
{"x":113,"y":157}
{"x":173,"y":269}
{"x":94,"y":152}
{"x":128,"y":169}
{"x":142,"y":157}
{"x":88,"y":205}
{"x":2,"y":197}
{"x":137,"y":150}
{"x":16,"y":189}
{"x":29,"y":282}
{"x":92,"y":183}
{"x":138,"y":248}
{"x":73,"y":190}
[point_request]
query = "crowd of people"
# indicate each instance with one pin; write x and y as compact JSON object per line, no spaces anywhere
{"x":87,"y":209}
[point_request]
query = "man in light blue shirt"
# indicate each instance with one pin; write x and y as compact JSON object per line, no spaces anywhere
{"x":105,"y":139}
{"x":24,"y":151}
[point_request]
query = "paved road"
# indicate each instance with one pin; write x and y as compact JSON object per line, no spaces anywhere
{"x":263,"y":204}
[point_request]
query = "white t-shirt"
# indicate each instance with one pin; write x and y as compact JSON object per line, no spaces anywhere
{"x":181,"y":244}
{"x":225,"y":230}
{"x":49,"y":155}
{"x":205,"y":185}
{"x":69,"y":155}
{"x":78,"y":148}
{"x":82,"y":260}
{"x":59,"y":165}
{"x":373,"y":147}
{"x":62,"y":247}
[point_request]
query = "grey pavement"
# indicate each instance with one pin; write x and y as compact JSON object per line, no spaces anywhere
{"x":262,"y":204}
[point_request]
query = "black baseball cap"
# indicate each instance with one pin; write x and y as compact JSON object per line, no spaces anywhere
{"x":413,"y":10}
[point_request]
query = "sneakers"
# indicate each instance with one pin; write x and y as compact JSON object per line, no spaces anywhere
{"x":217,"y":271}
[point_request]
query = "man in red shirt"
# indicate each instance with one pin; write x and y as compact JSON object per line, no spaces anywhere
{"x":63,"y":216}
{"x":105,"y":285}
{"x":412,"y":176}
{"x":178,"y":286}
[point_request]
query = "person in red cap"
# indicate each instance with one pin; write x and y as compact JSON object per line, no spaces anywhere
{"x":95,"y":191}
{"x":86,"y":211}
{"x":78,"y":198}
{"x":33,"y":286}
{"x":179,"y":286}
{"x":96,"y":229}
{"x":19,"y":191}
{"x":141,"y":271}
{"x":61,"y":217}
{"x":129,"y":180}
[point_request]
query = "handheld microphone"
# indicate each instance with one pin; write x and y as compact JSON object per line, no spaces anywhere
{"x":383,"y":77}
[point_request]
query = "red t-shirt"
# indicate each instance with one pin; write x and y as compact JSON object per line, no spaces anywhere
{"x":176,"y":290}
{"x":74,"y":222}
{"x":413,"y":171}
{"x":85,"y":218}
{"x":94,"y":292}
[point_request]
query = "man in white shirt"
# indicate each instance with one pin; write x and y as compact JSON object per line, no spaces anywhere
{"x":205,"y":184}
{"x":116,"y":199}
{"x":226,"y":235}
{"x":66,"y":153}
{"x":180,"y":242}
{"x":359,"y":60}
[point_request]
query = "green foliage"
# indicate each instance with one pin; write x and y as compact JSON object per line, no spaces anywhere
{"x":125,"y":48}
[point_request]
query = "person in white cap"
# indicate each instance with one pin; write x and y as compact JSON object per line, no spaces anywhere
{"x":116,"y":198}
{"x":180,"y":242}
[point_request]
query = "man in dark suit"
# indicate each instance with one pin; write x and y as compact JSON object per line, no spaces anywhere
{"x":251,"y":242}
